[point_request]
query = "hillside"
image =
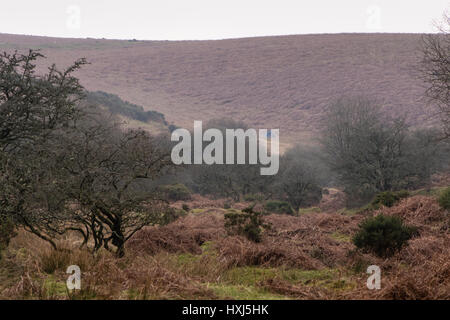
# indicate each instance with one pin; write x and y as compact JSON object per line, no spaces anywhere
{"x":270,"y":82}
{"x":128,"y":114}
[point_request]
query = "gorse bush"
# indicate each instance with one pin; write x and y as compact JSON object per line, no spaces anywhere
{"x":444,"y":199}
{"x":388,"y":198}
{"x":249,"y":223}
{"x":278,"y":207}
{"x":383,"y":235}
{"x":176,"y":192}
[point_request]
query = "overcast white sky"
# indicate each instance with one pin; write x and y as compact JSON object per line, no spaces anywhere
{"x":214,"y":19}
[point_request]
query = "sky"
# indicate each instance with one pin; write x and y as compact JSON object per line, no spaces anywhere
{"x":215,"y":19}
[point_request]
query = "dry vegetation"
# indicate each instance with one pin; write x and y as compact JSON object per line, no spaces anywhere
{"x":266,"y":82}
{"x":309,"y":256}
{"x":271,"y":82}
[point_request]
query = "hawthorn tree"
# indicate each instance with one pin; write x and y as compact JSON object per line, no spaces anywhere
{"x":106,"y":174}
{"x":65,"y":165}
{"x":33,"y":108}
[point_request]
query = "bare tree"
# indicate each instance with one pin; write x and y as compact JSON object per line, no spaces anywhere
{"x":435,"y":69}
{"x":371,"y":152}
{"x":299,"y":180}
{"x":105,"y":173}
{"x":229,"y":180}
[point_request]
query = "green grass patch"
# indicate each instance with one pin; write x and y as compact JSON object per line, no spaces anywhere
{"x":354,"y":211}
{"x":325,"y":278}
{"x":432,"y":192}
{"x":248,"y":275}
{"x":54,"y":288}
{"x":184,"y":259}
{"x":242,"y":282}
{"x":309,"y":210}
{"x":207,"y":247}
{"x":341,"y":237}
{"x":241,"y":292}
{"x":198,"y":210}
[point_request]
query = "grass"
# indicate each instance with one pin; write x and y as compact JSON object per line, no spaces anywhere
{"x":309,"y":210}
{"x":29,"y":269}
{"x":54,"y":287}
{"x":433,"y":192}
{"x":198,"y":210}
{"x":252,"y":276}
{"x":240,"y":292}
{"x":248,"y":276}
{"x":205,"y":270}
{"x":247,"y":282}
{"x":354,"y":211}
{"x":341,"y":237}
{"x":10,"y":271}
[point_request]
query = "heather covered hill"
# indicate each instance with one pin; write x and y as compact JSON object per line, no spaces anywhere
{"x":269,"y":82}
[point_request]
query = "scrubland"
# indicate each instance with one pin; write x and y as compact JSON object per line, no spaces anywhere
{"x":309,"y":255}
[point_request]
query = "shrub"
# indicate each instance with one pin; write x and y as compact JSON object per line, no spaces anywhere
{"x":249,"y":224}
{"x":227,"y":205}
{"x":388,"y":198}
{"x":444,"y":198}
{"x":176,"y":192}
{"x":185,"y":207}
{"x":383,"y":235}
{"x":278,"y":207}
